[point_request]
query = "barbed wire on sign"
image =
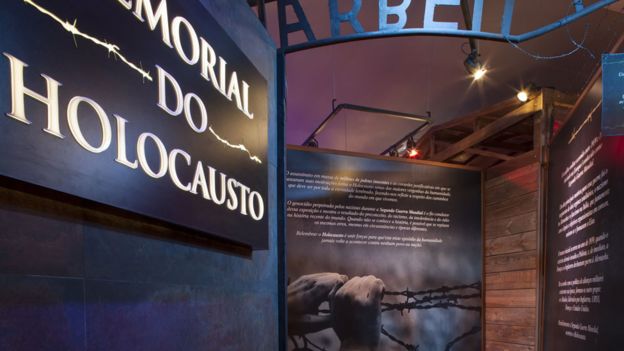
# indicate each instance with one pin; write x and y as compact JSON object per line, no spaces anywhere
{"x":444,"y":297}
{"x":577,"y":46}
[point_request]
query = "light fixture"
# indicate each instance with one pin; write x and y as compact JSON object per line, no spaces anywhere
{"x":474,"y":66}
{"x":526,"y":93}
{"x":413,"y":153}
{"x":410,"y":148}
{"x":523,"y":96}
{"x":480,"y":73}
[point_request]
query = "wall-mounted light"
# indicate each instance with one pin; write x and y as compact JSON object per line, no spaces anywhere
{"x":413,"y":153}
{"x":410,"y":148}
{"x":474,"y":66}
{"x":526,"y":93}
{"x":523,"y":96}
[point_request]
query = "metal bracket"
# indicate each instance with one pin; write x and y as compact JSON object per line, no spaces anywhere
{"x":407,"y":136}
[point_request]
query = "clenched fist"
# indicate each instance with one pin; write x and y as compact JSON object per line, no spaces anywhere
{"x":356,"y":313}
{"x":305,"y":295}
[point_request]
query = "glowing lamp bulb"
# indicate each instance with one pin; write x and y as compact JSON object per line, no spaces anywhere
{"x":413,"y":153}
{"x":479,"y":74}
{"x":523,"y":96}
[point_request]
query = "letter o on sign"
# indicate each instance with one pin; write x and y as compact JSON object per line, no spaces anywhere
{"x":162,"y":153}
{"x":256,"y":206}
{"x":74,"y":125}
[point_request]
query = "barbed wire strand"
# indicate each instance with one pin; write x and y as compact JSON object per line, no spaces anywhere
{"x":444,"y":297}
{"x":577,"y":46}
{"x":406,"y":292}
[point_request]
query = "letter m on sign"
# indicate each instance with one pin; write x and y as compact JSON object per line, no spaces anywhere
{"x":301,"y":24}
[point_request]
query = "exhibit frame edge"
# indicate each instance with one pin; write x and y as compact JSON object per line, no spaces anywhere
{"x":381,"y":158}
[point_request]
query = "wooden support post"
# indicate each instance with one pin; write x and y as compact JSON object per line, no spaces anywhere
{"x":432,"y":145}
{"x":541,"y":141}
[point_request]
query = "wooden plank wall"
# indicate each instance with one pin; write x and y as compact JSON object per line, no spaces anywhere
{"x":511,"y":203}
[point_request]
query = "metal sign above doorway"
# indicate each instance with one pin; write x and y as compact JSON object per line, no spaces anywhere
{"x":392,"y":20}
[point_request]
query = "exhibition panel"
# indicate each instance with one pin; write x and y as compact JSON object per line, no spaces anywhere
{"x":584,"y":245}
{"x":390,"y":249}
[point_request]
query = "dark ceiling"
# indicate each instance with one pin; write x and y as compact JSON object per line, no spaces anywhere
{"x":419,"y":74}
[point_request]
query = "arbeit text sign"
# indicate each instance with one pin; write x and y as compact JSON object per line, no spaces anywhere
{"x":393,"y":17}
{"x":144,"y":105}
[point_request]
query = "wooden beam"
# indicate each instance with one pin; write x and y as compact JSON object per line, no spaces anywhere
{"x":510,"y":119}
{"x":490,"y":154}
{"x":463,"y":158}
{"x":490,"y":111}
{"x":483,"y":162}
{"x":564,"y":100}
{"x":543,"y":120}
{"x":513,"y":164}
{"x":541,"y":141}
{"x":432,"y":145}
{"x":517,"y":148}
{"x":498,"y":150}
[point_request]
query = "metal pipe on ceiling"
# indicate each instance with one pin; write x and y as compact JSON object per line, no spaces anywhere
{"x":361,"y":108}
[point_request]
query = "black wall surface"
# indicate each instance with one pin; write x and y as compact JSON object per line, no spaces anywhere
{"x":73,"y":277}
{"x":584,"y":244}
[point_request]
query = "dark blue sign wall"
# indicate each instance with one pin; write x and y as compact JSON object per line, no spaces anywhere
{"x":74,"y":279}
{"x":146,"y":105}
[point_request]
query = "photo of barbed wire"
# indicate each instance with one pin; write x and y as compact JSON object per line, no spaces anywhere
{"x":347,"y":292}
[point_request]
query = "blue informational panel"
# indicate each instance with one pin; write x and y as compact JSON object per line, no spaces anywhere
{"x":613,"y":94}
{"x":145,"y":105}
{"x":382,"y":254}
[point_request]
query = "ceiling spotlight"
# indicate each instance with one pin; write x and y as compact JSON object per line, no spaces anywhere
{"x":480,"y":73}
{"x":523,"y":96}
{"x":474,"y":66}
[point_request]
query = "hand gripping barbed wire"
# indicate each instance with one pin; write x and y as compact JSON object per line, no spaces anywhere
{"x":445,"y":297}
